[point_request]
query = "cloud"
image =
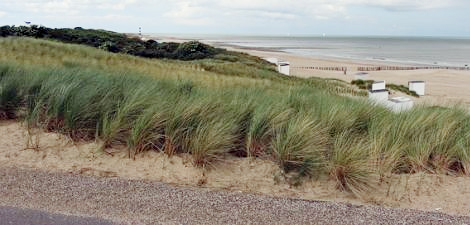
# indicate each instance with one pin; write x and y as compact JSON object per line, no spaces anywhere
{"x":114,"y":17}
{"x":405,"y":5}
{"x":116,"y":5}
{"x":275,"y":15}
{"x":217,"y":15}
{"x":326,"y":8}
{"x":188,"y":13}
{"x":67,"y":7}
{"x":285,"y":9}
{"x":203,"y":11}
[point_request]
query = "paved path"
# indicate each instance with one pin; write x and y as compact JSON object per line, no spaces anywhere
{"x":18,"y":216}
{"x":142,"y":202}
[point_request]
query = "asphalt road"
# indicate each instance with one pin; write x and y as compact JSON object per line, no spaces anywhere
{"x":18,"y":216}
{"x":145,"y":202}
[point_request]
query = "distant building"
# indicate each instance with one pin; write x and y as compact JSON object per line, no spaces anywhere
{"x":378,"y":94}
{"x":417,"y":86}
{"x":284,"y":68}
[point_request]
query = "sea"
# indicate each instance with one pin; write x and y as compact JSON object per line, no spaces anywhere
{"x":436,"y":51}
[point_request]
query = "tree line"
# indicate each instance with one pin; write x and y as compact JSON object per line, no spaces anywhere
{"x":116,"y":42}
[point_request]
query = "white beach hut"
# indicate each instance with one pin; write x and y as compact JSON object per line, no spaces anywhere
{"x":378,"y":85}
{"x":399,"y":104}
{"x":417,"y":86}
{"x":378,"y":93}
{"x":283,"y":67}
{"x":378,"y":96}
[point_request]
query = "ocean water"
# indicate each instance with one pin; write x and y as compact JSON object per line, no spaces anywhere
{"x":403,"y":50}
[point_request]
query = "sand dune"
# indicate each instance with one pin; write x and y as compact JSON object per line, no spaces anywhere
{"x":447,"y":194}
{"x":56,"y":153}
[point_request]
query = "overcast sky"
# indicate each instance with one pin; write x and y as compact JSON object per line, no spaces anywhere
{"x":252,"y":17}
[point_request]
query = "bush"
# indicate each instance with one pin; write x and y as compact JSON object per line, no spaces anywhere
{"x":116,"y":42}
{"x":194,"y":50}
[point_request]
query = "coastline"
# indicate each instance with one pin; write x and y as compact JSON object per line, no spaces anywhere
{"x":444,"y":87}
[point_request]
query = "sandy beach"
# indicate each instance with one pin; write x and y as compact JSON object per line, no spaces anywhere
{"x":443,"y":86}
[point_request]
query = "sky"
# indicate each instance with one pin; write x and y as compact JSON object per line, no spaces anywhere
{"x":249,"y":17}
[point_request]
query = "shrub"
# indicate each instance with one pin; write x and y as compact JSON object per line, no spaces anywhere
{"x":116,"y":42}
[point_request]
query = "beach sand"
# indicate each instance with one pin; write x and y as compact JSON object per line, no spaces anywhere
{"x":443,"y":86}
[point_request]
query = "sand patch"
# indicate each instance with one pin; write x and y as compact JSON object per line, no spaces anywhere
{"x":57,"y":153}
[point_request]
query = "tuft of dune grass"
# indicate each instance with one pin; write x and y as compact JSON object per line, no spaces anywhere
{"x":349,"y":163}
{"x":299,"y":145}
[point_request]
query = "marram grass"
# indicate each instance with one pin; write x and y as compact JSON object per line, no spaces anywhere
{"x":313,"y":128}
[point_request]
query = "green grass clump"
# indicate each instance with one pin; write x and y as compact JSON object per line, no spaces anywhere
{"x":313,"y":128}
{"x":265,"y":121}
{"x":299,"y":145}
{"x":363,"y":84}
{"x":349,"y":163}
{"x":402,"y":88}
{"x":210,"y":141}
{"x":147,"y":131}
{"x":10,"y":99}
{"x":367,"y":84}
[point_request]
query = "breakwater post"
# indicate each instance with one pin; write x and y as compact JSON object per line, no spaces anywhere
{"x":380,"y":68}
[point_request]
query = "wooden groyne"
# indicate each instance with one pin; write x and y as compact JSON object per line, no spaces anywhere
{"x":379,"y":68}
{"x":321,"y":68}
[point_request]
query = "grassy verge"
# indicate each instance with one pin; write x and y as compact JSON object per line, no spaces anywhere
{"x":314,"y":128}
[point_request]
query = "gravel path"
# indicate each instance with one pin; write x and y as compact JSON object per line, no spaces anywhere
{"x":143,"y":202}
